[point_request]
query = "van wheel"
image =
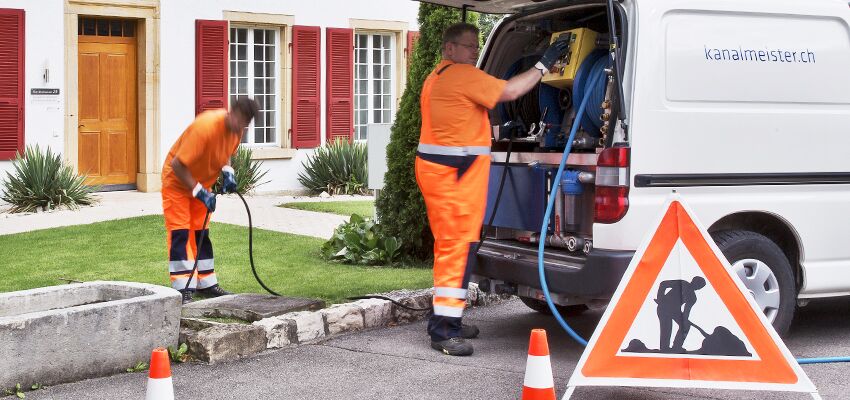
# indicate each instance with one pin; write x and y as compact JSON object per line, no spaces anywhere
{"x":543,"y":308}
{"x":765,"y":271}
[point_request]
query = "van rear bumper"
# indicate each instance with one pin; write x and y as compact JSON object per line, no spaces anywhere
{"x":595,"y":276}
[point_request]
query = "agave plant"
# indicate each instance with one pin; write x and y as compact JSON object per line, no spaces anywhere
{"x":337,"y":168}
{"x":247,"y":171}
{"x":42,"y":181}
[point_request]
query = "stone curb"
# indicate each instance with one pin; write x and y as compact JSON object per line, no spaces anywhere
{"x":216,"y":342}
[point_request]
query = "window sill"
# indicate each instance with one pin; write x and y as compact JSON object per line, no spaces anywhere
{"x":271,"y":153}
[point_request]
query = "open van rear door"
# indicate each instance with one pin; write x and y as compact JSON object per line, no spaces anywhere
{"x":494,"y":6}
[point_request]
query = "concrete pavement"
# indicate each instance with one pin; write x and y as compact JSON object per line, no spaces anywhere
{"x":397,"y":363}
{"x":229,"y":209}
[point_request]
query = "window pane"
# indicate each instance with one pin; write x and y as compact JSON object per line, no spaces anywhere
{"x":364,"y":117}
{"x":387,"y":102}
{"x":362,"y":72}
{"x":270,"y":135}
{"x":129,"y":28}
{"x":377,"y":115}
{"x":386,"y":116}
{"x":259,"y":135}
{"x":242,"y":53}
{"x":242,"y":87}
{"x":270,"y":34}
{"x":270,"y":70}
{"x":259,"y":36}
{"x":269,"y":53}
{"x":89,"y":26}
{"x":258,"y":52}
{"x":376,"y":56}
{"x":386,"y":72}
{"x":376,"y":101}
{"x":242,"y":37}
{"x":376,"y":71}
{"x":376,"y":41}
{"x":232,"y":35}
{"x":115,"y":28}
{"x":386,"y":57}
{"x":376,"y":87}
{"x":102,"y":27}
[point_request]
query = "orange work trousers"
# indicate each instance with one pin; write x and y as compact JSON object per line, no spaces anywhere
{"x":184,"y":222}
{"x":455,"y":192}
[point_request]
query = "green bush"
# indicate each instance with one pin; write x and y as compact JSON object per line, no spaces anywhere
{"x":247,"y":171}
{"x":359,"y":241}
{"x":337,"y":168}
{"x":400,"y":206}
{"x":42,"y":181}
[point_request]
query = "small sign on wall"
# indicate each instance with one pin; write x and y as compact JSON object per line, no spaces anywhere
{"x":46,"y":96}
{"x":44,"y":92}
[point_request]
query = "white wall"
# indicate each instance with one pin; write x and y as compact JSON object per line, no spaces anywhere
{"x":178,"y":57}
{"x":44,"y":121}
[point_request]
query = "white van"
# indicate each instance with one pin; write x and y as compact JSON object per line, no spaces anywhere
{"x":741,"y":106}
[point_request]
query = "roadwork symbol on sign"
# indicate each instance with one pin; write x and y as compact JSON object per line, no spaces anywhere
{"x":681,"y":318}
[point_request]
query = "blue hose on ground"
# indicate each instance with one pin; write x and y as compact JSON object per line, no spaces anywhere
{"x":597,"y":73}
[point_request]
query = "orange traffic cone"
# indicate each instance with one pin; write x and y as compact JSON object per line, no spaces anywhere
{"x":538,"y":384}
{"x":159,"y":379}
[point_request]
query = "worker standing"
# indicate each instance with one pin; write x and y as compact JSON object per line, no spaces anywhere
{"x":453,"y":167}
{"x":194,"y":162}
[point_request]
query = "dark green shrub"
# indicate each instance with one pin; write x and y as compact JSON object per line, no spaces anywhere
{"x":247,"y":171}
{"x":359,"y":241}
{"x":42,"y":181}
{"x":400,"y":206}
{"x":337,"y":168}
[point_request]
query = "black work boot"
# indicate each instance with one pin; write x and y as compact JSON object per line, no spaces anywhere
{"x":455,"y":346}
{"x":187,"y":296}
{"x":469,"y":331}
{"x":214,"y":291}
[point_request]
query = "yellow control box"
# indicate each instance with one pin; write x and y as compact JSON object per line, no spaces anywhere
{"x":581,"y":41}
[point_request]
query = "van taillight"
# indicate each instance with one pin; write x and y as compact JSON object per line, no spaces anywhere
{"x":612,"y":185}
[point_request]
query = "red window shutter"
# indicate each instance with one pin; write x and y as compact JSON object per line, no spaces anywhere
{"x":340,"y":84}
{"x":11,"y":83}
{"x":306,"y":41}
{"x":412,"y":37}
{"x":211,"y":43}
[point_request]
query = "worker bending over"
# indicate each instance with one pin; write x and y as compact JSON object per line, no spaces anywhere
{"x":194,"y":162}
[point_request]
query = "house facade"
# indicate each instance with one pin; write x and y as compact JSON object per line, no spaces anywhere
{"x":111,"y":84}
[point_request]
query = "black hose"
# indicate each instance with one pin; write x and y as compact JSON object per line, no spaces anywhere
{"x":498,"y":193}
{"x":250,"y":248}
{"x":396,"y":302}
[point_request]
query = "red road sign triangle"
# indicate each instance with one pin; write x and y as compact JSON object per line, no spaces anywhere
{"x":774,"y":367}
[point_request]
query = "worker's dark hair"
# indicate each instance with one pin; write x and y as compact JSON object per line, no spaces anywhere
{"x":245,"y":106}
{"x":454,"y":32}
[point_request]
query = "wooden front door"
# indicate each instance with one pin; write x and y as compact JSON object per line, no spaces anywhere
{"x":107,"y":138}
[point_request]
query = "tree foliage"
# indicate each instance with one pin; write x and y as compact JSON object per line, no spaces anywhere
{"x":400,"y":206}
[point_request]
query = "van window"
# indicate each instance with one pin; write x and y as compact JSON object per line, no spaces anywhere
{"x":756,"y":58}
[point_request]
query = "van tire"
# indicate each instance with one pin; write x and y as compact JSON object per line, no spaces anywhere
{"x":739,"y":245}
{"x":543,"y":308}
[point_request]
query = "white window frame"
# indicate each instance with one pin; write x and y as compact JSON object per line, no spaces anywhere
{"x":250,"y":135}
{"x":393,"y":83}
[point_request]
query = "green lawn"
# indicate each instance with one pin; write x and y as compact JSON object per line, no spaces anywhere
{"x":361,"y":208}
{"x":134,"y":250}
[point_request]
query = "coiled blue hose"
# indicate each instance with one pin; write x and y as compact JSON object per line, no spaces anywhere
{"x":594,"y":92}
